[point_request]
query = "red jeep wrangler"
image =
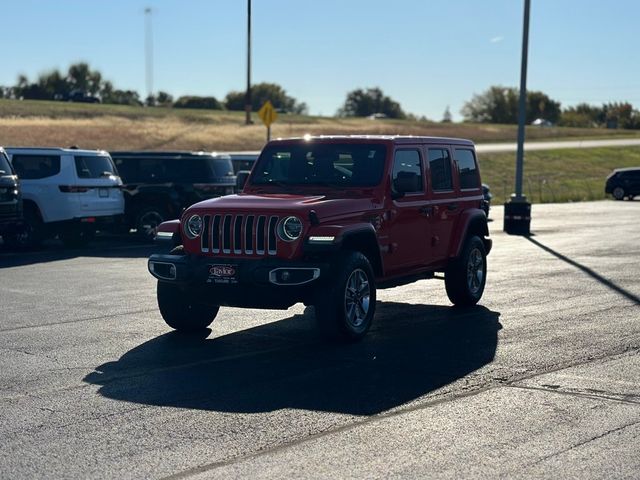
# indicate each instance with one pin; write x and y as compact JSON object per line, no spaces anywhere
{"x":327,"y":221}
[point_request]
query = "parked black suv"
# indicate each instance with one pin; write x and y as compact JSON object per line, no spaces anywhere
{"x":623,"y":182}
{"x":158,"y":186}
{"x":10,"y":199}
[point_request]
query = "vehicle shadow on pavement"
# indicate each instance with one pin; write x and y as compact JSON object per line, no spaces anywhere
{"x":413,"y":350}
{"x":55,"y":253}
{"x":605,"y":281}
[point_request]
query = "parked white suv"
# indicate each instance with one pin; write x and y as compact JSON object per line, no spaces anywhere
{"x":67,"y":192}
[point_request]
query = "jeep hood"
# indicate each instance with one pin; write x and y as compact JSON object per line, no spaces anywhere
{"x":324,"y":206}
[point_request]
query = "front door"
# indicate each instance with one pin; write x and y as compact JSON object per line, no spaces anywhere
{"x":407,"y":222}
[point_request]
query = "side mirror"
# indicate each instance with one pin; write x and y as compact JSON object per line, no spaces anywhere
{"x":241,"y":179}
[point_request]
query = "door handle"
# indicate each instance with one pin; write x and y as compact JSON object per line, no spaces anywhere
{"x":452,"y":206}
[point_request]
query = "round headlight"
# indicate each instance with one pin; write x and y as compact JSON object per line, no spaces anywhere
{"x":290,"y":229}
{"x":194,"y":226}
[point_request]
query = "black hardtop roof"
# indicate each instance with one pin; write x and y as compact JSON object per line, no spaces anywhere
{"x":397,"y":139}
{"x":174,"y":154}
{"x":627,"y":169}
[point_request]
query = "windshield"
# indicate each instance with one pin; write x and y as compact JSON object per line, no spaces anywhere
{"x":221,"y":166}
{"x":5,"y":168}
{"x":94,"y":167}
{"x":331,"y":164}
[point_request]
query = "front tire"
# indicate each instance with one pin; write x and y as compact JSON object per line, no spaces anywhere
{"x":147,"y":221}
{"x":618,"y":193}
{"x":345,"y":308}
{"x":465,"y":279}
{"x":31,"y":236}
{"x":181,"y":311}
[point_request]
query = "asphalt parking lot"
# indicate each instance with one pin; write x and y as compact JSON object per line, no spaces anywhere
{"x":541,"y":380}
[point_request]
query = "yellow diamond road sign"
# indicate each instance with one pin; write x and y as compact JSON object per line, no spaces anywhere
{"x":267,"y":113}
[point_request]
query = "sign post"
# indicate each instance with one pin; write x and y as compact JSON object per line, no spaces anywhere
{"x":268,"y":115}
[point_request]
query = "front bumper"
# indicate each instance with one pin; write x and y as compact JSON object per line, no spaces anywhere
{"x":258,"y":283}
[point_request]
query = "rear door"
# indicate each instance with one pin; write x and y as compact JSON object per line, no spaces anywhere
{"x":40,"y":177}
{"x":444,"y":204}
{"x":635,"y":182}
{"x":468,"y":177}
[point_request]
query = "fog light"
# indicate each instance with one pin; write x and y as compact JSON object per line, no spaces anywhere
{"x":285,"y":276}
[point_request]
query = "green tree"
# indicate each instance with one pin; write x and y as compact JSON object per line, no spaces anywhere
{"x":192,"y":101}
{"x":81,"y":77}
{"x":446,"y":116}
{"x":122,"y":97}
{"x":500,"y":105}
{"x":260,"y":93}
{"x":164,"y":99}
{"x":362,"y":103}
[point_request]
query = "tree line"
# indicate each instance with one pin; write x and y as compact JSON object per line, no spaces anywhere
{"x":500,"y":105}
{"x":80,"y":78}
{"x":495,"y":105}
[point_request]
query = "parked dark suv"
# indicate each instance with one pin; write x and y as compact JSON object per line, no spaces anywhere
{"x":10,"y":200}
{"x":327,"y":221}
{"x":158,"y":186}
{"x":623,"y":182}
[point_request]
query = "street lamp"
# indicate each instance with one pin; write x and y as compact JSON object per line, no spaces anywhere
{"x":517,"y":211}
{"x":247,"y":98}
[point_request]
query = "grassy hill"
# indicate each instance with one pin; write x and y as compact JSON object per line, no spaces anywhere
{"x":109,"y":127}
{"x":550,"y":176}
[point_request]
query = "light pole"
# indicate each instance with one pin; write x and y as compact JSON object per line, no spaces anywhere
{"x":247,"y":98}
{"x":517,"y":211}
{"x":148,"y":50}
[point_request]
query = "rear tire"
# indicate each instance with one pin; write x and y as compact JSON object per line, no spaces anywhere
{"x":465,"y":278}
{"x":181,"y":311}
{"x":618,"y":193}
{"x":345,"y":308}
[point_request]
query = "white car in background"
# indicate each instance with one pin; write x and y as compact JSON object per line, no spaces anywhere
{"x":67,"y":192}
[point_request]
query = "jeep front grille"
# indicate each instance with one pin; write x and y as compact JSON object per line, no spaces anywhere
{"x":239,"y":234}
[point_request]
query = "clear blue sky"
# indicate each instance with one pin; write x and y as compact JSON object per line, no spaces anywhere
{"x":426,"y":54}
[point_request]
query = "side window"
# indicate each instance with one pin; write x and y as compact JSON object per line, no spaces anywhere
{"x":440,"y":168}
{"x":152,"y":170}
{"x":407,"y":171}
{"x":5,"y":167}
{"x":190,"y":170}
{"x":467,"y":168}
{"x":127,"y":168}
{"x":34,"y":167}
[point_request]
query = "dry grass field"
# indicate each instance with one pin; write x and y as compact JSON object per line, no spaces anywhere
{"x":111,"y":127}
{"x":550,"y":176}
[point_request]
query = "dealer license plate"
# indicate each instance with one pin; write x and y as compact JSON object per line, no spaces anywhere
{"x":223,"y":274}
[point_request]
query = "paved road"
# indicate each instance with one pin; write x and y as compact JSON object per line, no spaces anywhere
{"x":540,"y":381}
{"x":556,"y":145}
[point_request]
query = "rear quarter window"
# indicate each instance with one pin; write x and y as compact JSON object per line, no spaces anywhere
{"x":94,"y":166}
{"x":35,"y":167}
{"x":467,"y":168}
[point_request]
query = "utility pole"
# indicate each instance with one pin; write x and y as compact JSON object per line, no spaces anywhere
{"x":148,"y":44}
{"x":517,"y":211}
{"x":247,"y":98}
